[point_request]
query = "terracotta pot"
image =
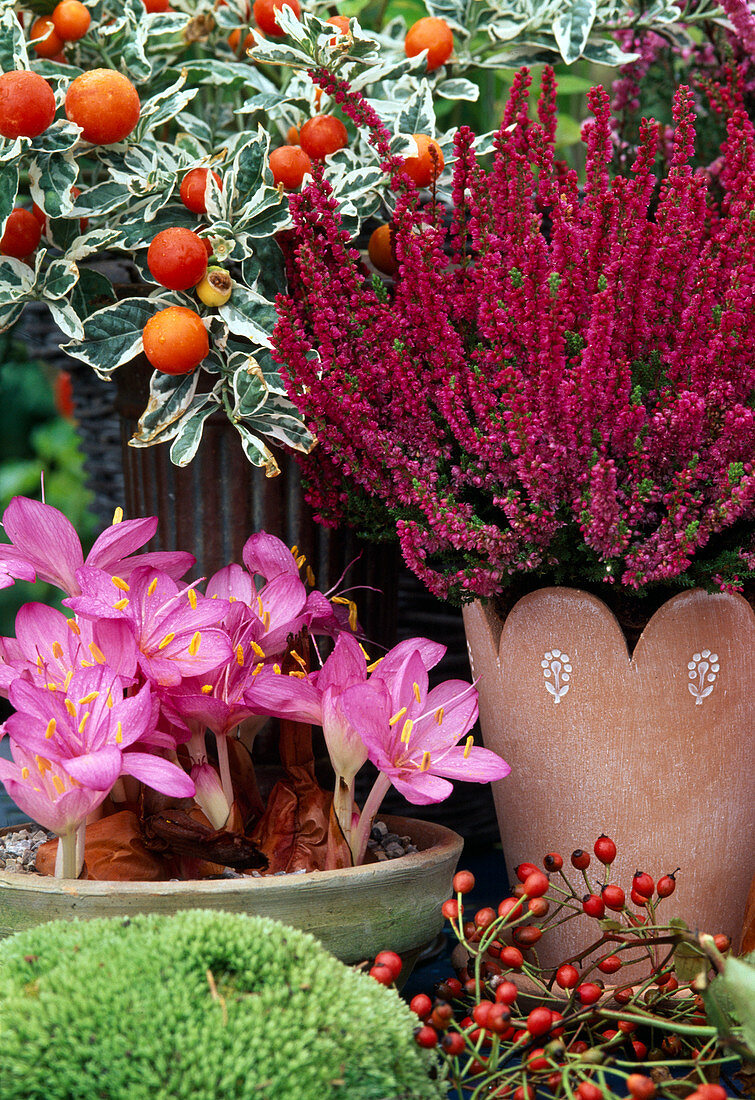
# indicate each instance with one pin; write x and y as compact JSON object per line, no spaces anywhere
{"x":655,"y":750}
{"x":214,"y":504}
{"x":354,"y":912}
{"x":748,"y":931}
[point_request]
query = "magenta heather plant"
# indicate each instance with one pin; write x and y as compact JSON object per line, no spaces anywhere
{"x":576,"y":403}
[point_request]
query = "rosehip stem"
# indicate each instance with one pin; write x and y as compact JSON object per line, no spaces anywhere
{"x":655,"y":1021}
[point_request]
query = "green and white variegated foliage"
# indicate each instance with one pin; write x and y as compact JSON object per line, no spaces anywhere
{"x":202,"y":105}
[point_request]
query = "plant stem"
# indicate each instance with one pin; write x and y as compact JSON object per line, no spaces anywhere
{"x":225,"y":769}
{"x":67,"y":844}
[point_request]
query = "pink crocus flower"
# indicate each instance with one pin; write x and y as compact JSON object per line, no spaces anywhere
{"x":12,"y":571}
{"x":44,"y":540}
{"x":51,"y":797}
{"x":49,"y":647}
{"x":177,"y":632}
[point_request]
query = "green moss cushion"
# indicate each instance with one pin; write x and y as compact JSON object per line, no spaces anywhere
{"x":198,"y":1006}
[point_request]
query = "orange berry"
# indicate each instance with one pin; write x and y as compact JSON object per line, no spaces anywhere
{"x":322,"y":135}
{"x":431,"y":34}
{"x":341,"y":23}
{"x":292,"y":137}
{"x":428,"y":164}
{"x":105,"y":104}
{"x":264,"y":15}
{"x":27,"y":104}
{"x":177,"y":258}
{"x":157,"y":6}
{"x":193,"y":188}
{"x":51,"y":43}
{"x":289,"y":165}
{"x":234,"y":41}
{"x":175,"y":340}
{"x":380,"y":250}
{"x":21,"y":235}
{"x":71,"y":20}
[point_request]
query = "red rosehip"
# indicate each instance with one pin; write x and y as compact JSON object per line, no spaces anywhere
{"x":481,"y":1013}
{"x":553,"y":862}
{"x":667,"y":885}
{"x":640,"y":1050}
{"x":391,"y":960}
{"x":538,"y":907}
{"x":525,"y":869}
{"x":638,"y":899}
{"x":498,"y":1019}
{"x":537,"y":1061}
{"x":556,"y":1018}
{"x":588,"y":993}
{"x":580,"y":859}
{"x":527,"y":935}
{"x":640,"y":1087}
{"x":450,"y":909}
{"x":643,"y":884}
{"x":506,"y":993}
{"x":610,"y":964}
{"x":524,"y":1092}
{"x":536,"y":884}
{"x":722,"y":942}
{"x":613,"y":896}
{"x":593,"y":906}
{"x":453,"y":1044}
{"x":421,"y":1005}
{"x":567,"y":976}
{"x":483,"y":918}
{"x":711,"y":1092}
{"x":623,"y":996}
{"x":605,"y":849}
{"x":382,"y":974}
{"x":426,"y":1037}
{"x":512,"y":957}
{"x":507,"y":905}
{"x":441,"y":1015}
{"x":463,"y":882}
{"x":539,"y":1021}
{"x":585,"y":1090}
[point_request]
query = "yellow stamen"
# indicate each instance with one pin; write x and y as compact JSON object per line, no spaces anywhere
{"x":42,"y":764}
{"x":257,"y":650}
{"x":51,"y":686}
{"x":89,"y":698}
{"x":50,"y":731}
{"x":439,"y":715}
{"x":70,"y":708}
{"x":206,"y":689}
{"x":25,"y":773}
{"x":40,"y":661}
{"x":300,"y":560}
{"x":425,"y":765}
{"x":417,"y":695}
{"x":240,"y":655}
{"x":67,"y":681}
{"x":397,"y":716}
{"x":118,"y":733}
{"x":294,"y":551}
{"x":277,"y":669}
{"x":152,"y":587}
{"x":169,"y":638}
{"x":194,"y":644}
{"x":192,"y":598}
{"x":120,"y":583}
{"x":266,"y":620}
{"x":109,"y":700}
{"x":120,"y":604}
{"x":406,"y":730}
{"x":57,"y":650}
{"x":117,"y":515}
{"x":83,"y":721}
{"x":58,"y":784}
{"x":97,"y":653}
{"x":231,"y":599}
{"x":365,"y":654}
{"x":310,"y":576}
{"x":74,"y":626}
{"x":373,"y":666}
{"x":468,"y":746}
{"x":340,"y":599}
{"x":87,"y":664}
{"x":299,"y":659}
{"x":352,"y":615}
{"x":258,"y":669}
{"x":260,"y":606}
{"x":298,"y":674}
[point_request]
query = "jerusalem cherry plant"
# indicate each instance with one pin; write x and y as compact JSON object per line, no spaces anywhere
{"x":646,"y":1008}
{"x":129,"y":707}
{"x":582,"y":404}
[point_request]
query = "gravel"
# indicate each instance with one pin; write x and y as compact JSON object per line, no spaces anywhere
{"x":18,"y":849}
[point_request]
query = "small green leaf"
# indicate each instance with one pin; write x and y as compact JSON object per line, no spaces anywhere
{"x":170,"y":397}
{"x":189,"y":435}
{"x":113,"y":335}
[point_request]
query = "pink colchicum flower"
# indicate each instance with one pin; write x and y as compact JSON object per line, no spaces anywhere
{"x":177,"y":632}
{"x":48,"y":647}
{"x":53,"y":798}
{"x":44,"y":540}
{"x":412,"y":736}
{"x":12,"y":571}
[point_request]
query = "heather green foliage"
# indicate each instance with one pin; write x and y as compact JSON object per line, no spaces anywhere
{"x":198,"y":1006}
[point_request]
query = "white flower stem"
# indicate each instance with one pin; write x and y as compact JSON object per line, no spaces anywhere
{"x":66,"y":862}
{"x":361,"y":834}
{"x":343,"y":804}
{"x":225,"y":768}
